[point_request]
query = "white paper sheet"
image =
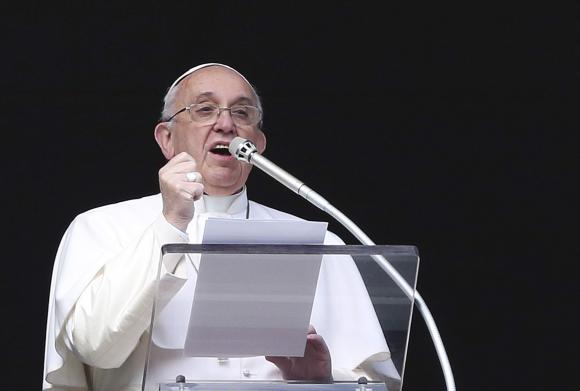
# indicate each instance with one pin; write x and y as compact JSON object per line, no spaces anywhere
{"x":254,"y":305}
{"x":224,"y":231}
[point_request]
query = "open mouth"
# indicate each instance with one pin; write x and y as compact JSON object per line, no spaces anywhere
{"x":220,"y":149}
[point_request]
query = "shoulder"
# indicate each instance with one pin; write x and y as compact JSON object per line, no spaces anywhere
{"x":124,"y":216}
{"x":143,"y":207}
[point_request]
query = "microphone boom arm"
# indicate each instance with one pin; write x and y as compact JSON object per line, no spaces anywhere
{"x":246,"y":151}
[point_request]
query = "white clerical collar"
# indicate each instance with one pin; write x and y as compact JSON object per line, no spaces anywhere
{"x":231,"y":204}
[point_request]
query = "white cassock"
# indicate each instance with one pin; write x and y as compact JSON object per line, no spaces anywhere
{"x":102,"y":290}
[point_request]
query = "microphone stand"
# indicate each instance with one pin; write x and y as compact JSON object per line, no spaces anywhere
{"x":246,"y":151}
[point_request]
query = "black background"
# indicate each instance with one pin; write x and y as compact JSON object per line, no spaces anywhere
{"x":452,"y":128}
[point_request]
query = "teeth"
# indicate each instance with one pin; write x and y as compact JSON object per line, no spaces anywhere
{"x":221,"y":146}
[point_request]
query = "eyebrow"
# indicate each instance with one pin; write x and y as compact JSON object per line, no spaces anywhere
{"x":241,"y":99}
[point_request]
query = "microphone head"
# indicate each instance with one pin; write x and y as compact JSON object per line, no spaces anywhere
{"x":235,"y":144}
{"x":242,"y":149}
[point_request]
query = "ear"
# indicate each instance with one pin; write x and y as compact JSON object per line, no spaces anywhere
{"x":164,"y":140}
{"x":261,"y":141}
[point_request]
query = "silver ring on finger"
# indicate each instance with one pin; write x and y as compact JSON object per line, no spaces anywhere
{"x":192,"y":176}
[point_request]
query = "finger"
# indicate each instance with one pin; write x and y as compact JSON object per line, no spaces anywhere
{"x":181,"y":157}
{"x":193,"y":176}
{"x":178,"y":166}
{"x":283,"y":363}
{"x":187,"y":196}
{"x":178,"y":160}
{"x":193,"y":191}
{"x":185,"y":166}
{"x":317,"y":343}
{"x":311,"y":330}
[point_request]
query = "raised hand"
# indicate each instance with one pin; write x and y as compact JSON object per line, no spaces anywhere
{"x":180,"y":185}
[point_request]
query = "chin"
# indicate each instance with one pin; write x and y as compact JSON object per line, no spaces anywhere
{"x":223,"y":187}
{"x":226,"y":178}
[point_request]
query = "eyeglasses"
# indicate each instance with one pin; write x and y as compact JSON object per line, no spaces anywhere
{"x":208,"y":113}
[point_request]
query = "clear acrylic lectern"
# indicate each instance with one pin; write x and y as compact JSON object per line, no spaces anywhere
{"x":224,"y":307}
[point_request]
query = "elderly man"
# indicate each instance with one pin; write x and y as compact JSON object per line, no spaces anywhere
{"x":105,"y":268}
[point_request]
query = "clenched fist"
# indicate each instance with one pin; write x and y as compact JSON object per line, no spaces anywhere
{"x":180,"y":185}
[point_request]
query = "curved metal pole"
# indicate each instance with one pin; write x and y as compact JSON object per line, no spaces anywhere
{"x":317,"y":200}
{"x":246,"y":151}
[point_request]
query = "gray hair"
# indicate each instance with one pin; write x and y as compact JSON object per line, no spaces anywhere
{"x":172,"y":92}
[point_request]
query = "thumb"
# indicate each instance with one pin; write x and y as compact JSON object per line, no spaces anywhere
{"x":283,"y":363}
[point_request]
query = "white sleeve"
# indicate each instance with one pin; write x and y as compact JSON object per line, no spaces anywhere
{"x":114,"y":309}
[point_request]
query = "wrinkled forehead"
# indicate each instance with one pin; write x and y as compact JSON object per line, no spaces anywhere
{"x":197,"y":68}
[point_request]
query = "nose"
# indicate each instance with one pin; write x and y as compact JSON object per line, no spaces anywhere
{"x":224,"y":121}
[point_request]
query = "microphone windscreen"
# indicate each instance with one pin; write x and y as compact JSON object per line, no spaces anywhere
{"x":234,"y":145}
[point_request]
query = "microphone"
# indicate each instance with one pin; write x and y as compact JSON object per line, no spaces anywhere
{"x":246,"y":151}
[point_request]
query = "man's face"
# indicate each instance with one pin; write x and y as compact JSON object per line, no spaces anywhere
{"x":222,"y":173}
